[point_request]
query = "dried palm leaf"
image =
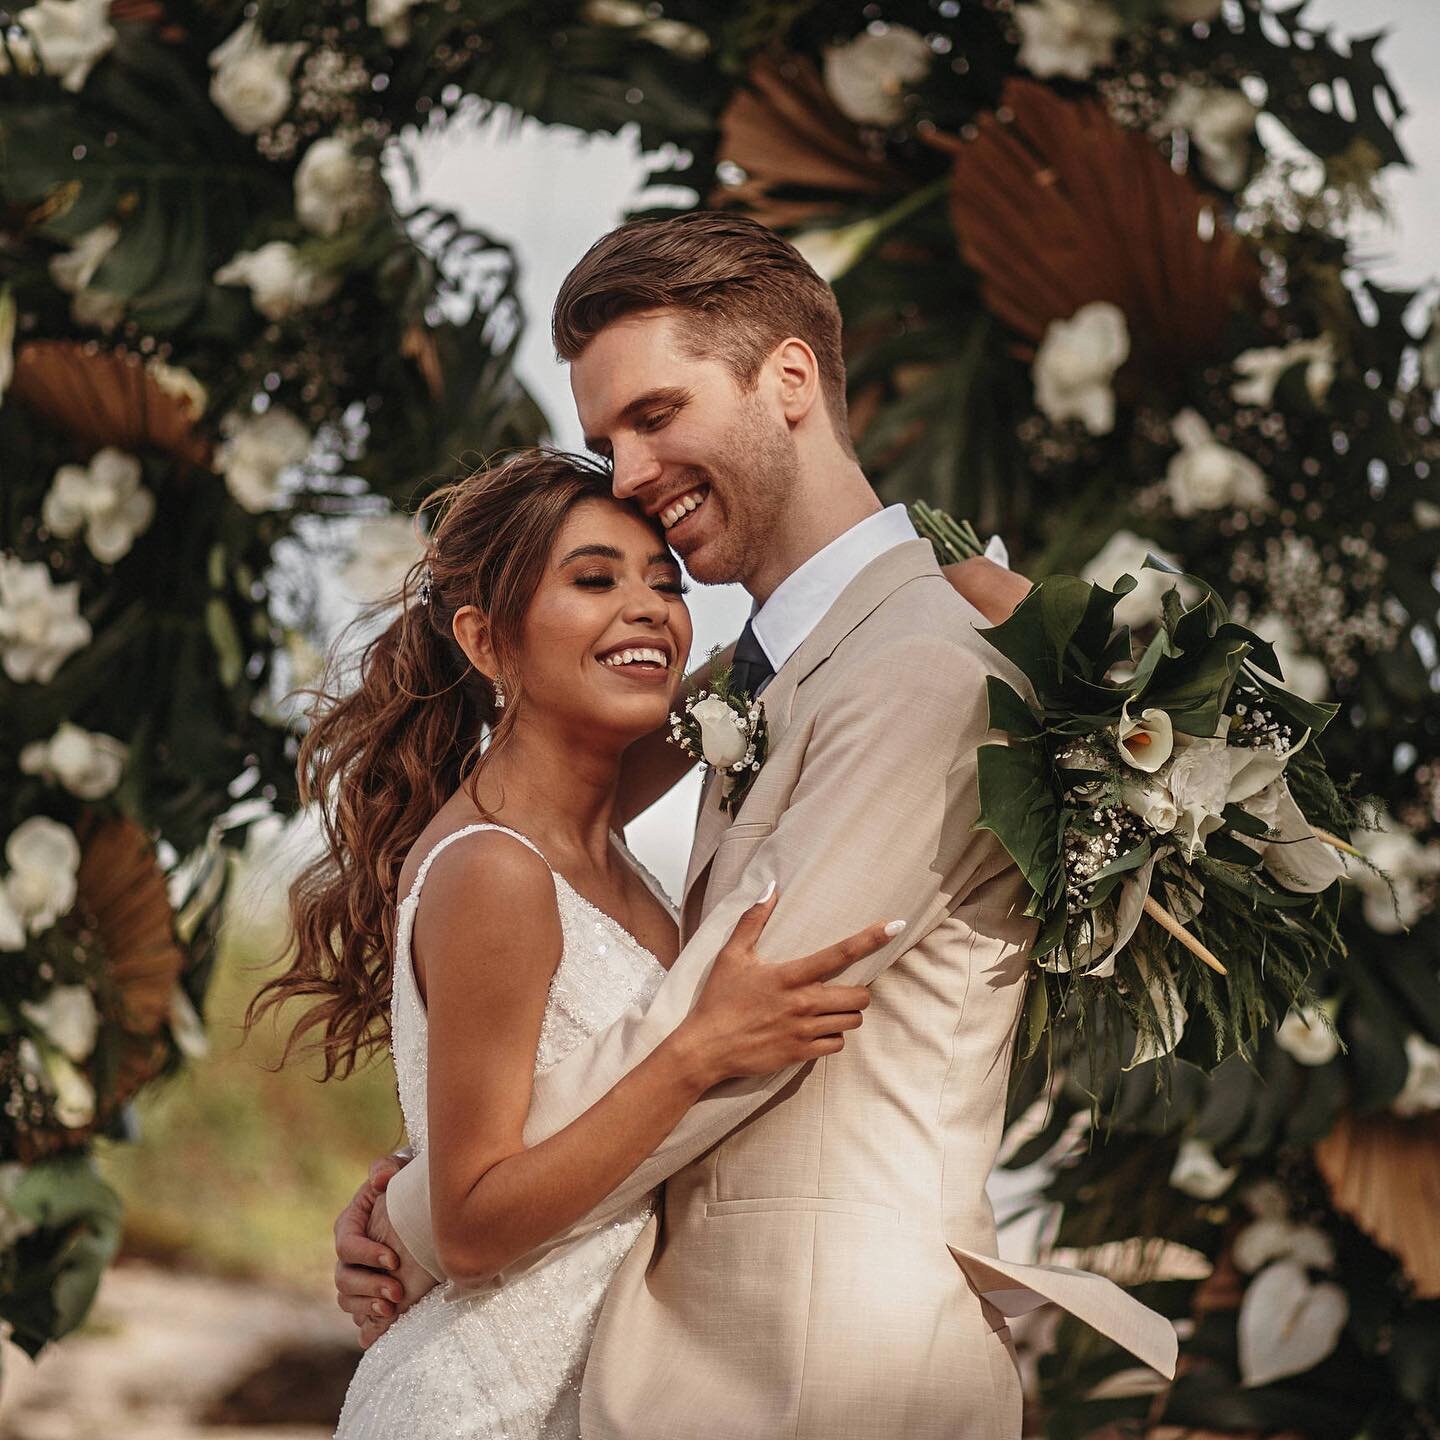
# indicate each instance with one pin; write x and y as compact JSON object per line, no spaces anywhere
{"x":1057,"y":205}
{"x":105,"y":397}
{"x":783,"y":130}
{"x":1384,"y":1173}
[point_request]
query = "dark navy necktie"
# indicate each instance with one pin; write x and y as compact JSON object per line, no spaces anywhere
{"x":752,"y":667}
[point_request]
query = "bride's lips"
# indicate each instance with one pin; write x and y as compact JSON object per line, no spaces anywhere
{"x":645,"y":662}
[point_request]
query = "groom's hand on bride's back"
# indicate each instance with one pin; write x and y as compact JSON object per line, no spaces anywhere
{"x":375,"y":1279}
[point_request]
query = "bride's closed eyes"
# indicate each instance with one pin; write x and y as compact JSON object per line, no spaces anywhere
{"x":597,"y":580}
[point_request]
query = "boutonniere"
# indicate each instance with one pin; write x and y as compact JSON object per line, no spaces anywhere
{"x":724,"y":729}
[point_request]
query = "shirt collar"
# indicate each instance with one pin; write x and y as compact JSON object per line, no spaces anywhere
{"x":784,"y":621}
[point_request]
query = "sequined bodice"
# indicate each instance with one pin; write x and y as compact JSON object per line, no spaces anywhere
{"x":505,"y":1364}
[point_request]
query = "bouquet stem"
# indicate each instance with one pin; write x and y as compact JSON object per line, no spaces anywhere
{"x":1336,"y":843}
{"x":1167,"y":922}
{"x":954,"y":540}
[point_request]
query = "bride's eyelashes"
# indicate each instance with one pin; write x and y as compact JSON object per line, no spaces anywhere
{"x":605,"y":582}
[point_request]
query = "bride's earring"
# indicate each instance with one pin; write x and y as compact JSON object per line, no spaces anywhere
{"x":499,"y":694}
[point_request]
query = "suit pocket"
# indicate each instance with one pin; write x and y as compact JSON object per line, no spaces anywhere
{"x":747,"y":830}
{"x":769,"y":1204}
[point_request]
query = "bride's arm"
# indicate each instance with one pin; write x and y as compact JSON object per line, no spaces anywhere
{"x":992,"y":589}
{"x":652,"y":766}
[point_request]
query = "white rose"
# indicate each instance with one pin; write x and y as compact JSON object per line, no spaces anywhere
{"x":1412,"y":868}
{"x":1199,"y":780}
{"x":40,"y":622}
{"x":251,"y":84}
{"x":86,"y":764}
{"x":256,"y":451}
{"x":104,"y":499}
{"x":1153,"y":804}
{"x":1066,"y":37}
{"x":1276,"y":1238}
{"x":7,"y":339}
{"x":13,"y":1225}
{"x":1304,"y":1035}
{"x":1124,"y":554}
{"x":333,"y":186}
{"x":1076,"y":362}
{"x":67,"y":1018}
{"x":1221,"y":123}
{"x":1206,"y":475}
{"x":383,"y":551}
{"x":1261,"y":370}
{"x":1304,"y":674}
{"x":73,"y":270}
{"x":1146,"y":741}
{"x":722,"y":732}
{"x":70,"y":36}
{"x":1197,"y":1172}
{"x":44,"y":857}
{"x":1421,"y":1091}
{"x":830,"y":253}
{"x":181,"y":384}
{"x":281,"y":283}
{"x":392,"y":17}
{"x":867,"y":77}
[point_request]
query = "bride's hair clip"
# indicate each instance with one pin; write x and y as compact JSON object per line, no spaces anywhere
{"x":427,"y":585}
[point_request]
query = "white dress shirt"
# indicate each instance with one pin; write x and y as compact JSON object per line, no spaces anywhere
{"x":800,"y":601}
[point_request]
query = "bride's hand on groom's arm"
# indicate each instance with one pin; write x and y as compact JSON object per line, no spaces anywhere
{"x":992,"y":589}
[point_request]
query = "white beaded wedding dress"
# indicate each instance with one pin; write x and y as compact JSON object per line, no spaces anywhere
{"x":505,"y":1364}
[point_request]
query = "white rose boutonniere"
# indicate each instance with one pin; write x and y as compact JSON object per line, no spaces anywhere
{"x":726,"y":731}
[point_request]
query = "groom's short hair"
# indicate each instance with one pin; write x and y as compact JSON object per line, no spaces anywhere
{"x":741,"y":288}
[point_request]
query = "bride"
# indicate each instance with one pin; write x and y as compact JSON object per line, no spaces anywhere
{"x":476,"y":905}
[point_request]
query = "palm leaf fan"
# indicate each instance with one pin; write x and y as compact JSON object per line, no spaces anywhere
{"x":783,"y":131}
{"x":1056,"y":205}
{"x":105,"y":397}
{"x":1384,"y":1173}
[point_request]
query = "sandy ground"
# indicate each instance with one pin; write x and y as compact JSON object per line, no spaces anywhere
{"x":167,"y":1356}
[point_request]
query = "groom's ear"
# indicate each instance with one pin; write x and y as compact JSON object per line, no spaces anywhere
{"x":472,"y":634}
{"x":798,"y":373}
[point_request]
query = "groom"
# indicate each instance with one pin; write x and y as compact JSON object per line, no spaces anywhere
{"x":823,"y":1263}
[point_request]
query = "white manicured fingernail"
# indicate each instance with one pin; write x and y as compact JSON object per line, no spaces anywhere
{"x":768,"y":892}
{"x":894,"y":928}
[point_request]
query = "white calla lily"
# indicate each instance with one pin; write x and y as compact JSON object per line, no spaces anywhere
{"x":1198,"y":1173}
{"x":1145,"y":741}
{"x":1304,"y":1034}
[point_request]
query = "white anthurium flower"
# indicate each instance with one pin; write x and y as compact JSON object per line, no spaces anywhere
{"x":1304,"y":674}
{"x":13,"y":1225}
{"x":1421,"y":1092}
{"x":70,"y":36}
{"x":105,"y":499}
{"x":7,"y":339}
{"x":74,"y":1095}
{"x":181,"y":384}
{"x":1413,"y":869}
{"x":72,"y":271}
{"x":333,"y":186}
{"x":1276,"y":1238}
{"x":868,"y":76}
{"x":392,"y":18}
{"x":12,"y":925}
{"x":1198,"y":1173}
{"x":44,"y":857}
{"x":383,"y":550}
{"x":1260,"y":370}
{"x":88,"y":765}
{"x":1221,"y":124}
{"x":187,"y":1027}
{"x":1076,"y":363}
{"x":1165,"y":997}
{"x":1146,"y":741}
{"x":256,"y":451}
{"x":830,"y":253}
{"x":1206,"y":475}
{"x":251,"y":83}
{"x":67,"y":1018}
{"x":722,"y":732}
{"x":1288,"y":1325}
{"x":281,"y":281}
{"x":40,"y":622}
{"x":1124,"y":554}
{"x":1066,"y":37}
{"x":1304,"y":1035}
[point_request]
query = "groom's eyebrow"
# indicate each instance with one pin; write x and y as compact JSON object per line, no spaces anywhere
{"x":658,"y":399}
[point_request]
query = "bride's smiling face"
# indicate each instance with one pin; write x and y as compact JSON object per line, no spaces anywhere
{"x":607,"y":634}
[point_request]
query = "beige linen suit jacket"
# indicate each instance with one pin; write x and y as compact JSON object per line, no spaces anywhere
{"x":822,"y":1265}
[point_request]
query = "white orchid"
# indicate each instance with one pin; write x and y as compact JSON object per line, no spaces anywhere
{"x":1076,"y":363}
{"x":1421,"y":1092}
{"x":1124,"y":554}
{"x":251,"y":84}
{"x":40,"y":622}
{"x":70,"y":36}
{"x":256,"y":450}
{"x":1145,"y":741}
{"x":105,"y":499}
{"x":44,"y":858}
{"x":383,"y":550}
{"x":723,"y":737}
{"x":72,"y":271}
{"x":868,"y":76}
{"x":1287,"y":1325}
{"x":1260,"y":370}
{"x":281,"y":281}
{"x":88,"y":765}
{"x":1304,"y":674}
{"x":67,"y":1018}
{"x":1066,"y":37}
{"x":1413,"y":869}
{"x":7,"y":339}
{"x":181,"y":384}
{"x":1221,"y":125}
{"x":1198,"y":1173}
{"x":1305,"y":1036}
{"x":333,"y":185}
{"x":391,"y":18}
{"x":1206,"y":475}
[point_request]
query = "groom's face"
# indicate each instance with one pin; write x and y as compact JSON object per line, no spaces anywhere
{"x":713,"y":463}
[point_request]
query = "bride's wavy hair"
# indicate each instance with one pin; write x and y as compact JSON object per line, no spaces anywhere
{"x":388,"y":746}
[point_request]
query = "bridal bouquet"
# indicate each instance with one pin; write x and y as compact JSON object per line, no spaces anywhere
{"x":1169,"y":809}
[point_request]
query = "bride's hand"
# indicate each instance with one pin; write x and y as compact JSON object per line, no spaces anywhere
{"x":414,"y":1280}
{"x":374,"y":1275}
{"x":755,"y":1017}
